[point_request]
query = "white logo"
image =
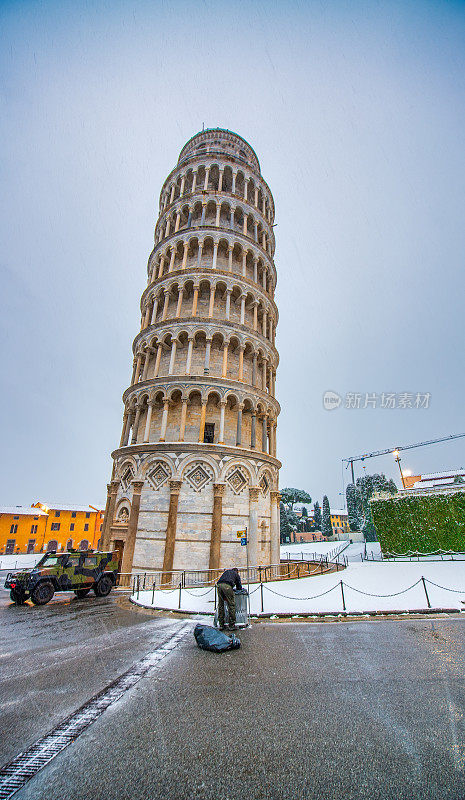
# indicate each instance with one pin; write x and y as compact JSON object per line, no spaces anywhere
{"x":331,"y":400}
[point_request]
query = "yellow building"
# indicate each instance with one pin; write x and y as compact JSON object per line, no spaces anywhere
{"x":22,"y":529}
{"x":340,"y":521}
{"x":44,"y":527}
{"x":71,"y":526}
{"x":339,"y":518}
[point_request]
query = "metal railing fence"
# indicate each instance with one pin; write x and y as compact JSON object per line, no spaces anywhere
{"x":286,"y":570}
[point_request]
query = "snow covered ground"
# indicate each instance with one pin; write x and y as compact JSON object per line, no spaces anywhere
{"x":20,"y":561}
{"x":309,"y":549}
{"x":364,"y":585}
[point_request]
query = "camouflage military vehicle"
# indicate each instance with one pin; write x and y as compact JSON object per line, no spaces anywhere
{"x":77,"y":572}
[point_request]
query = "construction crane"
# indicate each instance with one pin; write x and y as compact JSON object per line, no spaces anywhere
{"x":395,"y":452}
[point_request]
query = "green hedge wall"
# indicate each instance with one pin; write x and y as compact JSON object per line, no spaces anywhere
{"x":420,"y":522}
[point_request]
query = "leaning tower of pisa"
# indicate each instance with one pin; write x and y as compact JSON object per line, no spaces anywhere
{"x":197,"y":457}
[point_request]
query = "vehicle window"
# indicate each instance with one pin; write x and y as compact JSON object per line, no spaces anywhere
{"x":51,"y":561}
{"x":90,"y":561}
{"x":73,"y":561}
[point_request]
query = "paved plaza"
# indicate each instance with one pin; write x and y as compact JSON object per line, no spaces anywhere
{"x":304,"y":710}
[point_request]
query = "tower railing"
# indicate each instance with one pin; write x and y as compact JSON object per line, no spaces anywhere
{"x":285,"y":570}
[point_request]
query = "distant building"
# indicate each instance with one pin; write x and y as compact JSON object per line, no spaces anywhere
{"x":339,"y":521}
{"x":22,"y":529}
{"x":43,"y":527}
{"x":434,"y":480}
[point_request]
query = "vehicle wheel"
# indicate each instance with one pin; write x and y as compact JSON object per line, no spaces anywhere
{"x":103,"y":586}
{"x":42,"y":593}
{"x":18,"y":597}
{"x":81,"y":592}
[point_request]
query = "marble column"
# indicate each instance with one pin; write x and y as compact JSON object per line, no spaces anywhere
{"x":168,"y":558}
{"x":239,"y":426}
{"x":182,"y":425}
{"x":212,"y":302}
{"x":206,"y":367}
{"x":123,"y":432}
{"x":189,"y":355}
{"x":215,"y":540}
{"x":164,"y":421}
{"x":128,"y":428}
{"x":147,"y":422}
{"x":146,"y":364}
{"x":194,"y":301}
{"x":228,"y":303}
{"x":224,"y":371}
{"x":179,"y":305}
{"x":157,"y":361}
{"x":184,"y":255}
{"x":264,"y":435}
{"x":253,"y":431}
{"x":253,"y":525}
{"x":172,"y":357}
{"x":222,"y":410}
{"x":128,"y":553}
{"x":135,"y":428}
{"x":154,"y":311}
{"x":203,"y":412}
{"x":215,"y":254}
{"x":165,"y":305}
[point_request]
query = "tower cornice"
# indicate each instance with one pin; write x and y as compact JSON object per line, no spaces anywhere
{"x":208,"y":326}
{"x":204,"y":384}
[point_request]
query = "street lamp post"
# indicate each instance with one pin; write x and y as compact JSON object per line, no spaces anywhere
{"x":397,"y":458}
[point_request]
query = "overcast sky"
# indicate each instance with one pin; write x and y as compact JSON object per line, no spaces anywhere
{"x":356,"y":112}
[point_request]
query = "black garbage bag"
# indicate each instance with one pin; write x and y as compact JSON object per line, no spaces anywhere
{"x":209,"y":638}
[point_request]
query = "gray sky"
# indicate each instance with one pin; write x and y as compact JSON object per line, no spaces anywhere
{"x":356,"y":111}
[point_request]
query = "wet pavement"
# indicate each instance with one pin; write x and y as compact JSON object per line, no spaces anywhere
{"x":351,"y":710}
{"x":54,"y":658}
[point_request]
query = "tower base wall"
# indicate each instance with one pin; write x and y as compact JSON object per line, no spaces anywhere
{"x":193,"y":503}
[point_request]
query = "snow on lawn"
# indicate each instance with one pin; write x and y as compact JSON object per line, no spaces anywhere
{"x":309,"y":549}
{"x":19,"y":561}
{"x":363,"y":583}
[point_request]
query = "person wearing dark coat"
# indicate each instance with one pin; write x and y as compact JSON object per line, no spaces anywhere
{"x":225,"y":587}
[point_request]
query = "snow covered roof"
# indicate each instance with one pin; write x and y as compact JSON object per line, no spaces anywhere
{"x":70,"y":507}
{"x":451,"y":473}
{"x":15,"y":510}
{"x":438,"y":479}
{"x":339,"y":512}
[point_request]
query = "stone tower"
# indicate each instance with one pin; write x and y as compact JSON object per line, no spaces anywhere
{"x":197,"y":458}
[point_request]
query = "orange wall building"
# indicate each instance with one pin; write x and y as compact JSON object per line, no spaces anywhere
{"x":44,"y":527}
{"x":22,"y":529}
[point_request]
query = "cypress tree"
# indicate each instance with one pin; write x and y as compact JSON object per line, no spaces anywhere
{"x":354,"y":508}
{"x":317,"y":516}
{"x":285,"y":528}
{"x":326,"y":527}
